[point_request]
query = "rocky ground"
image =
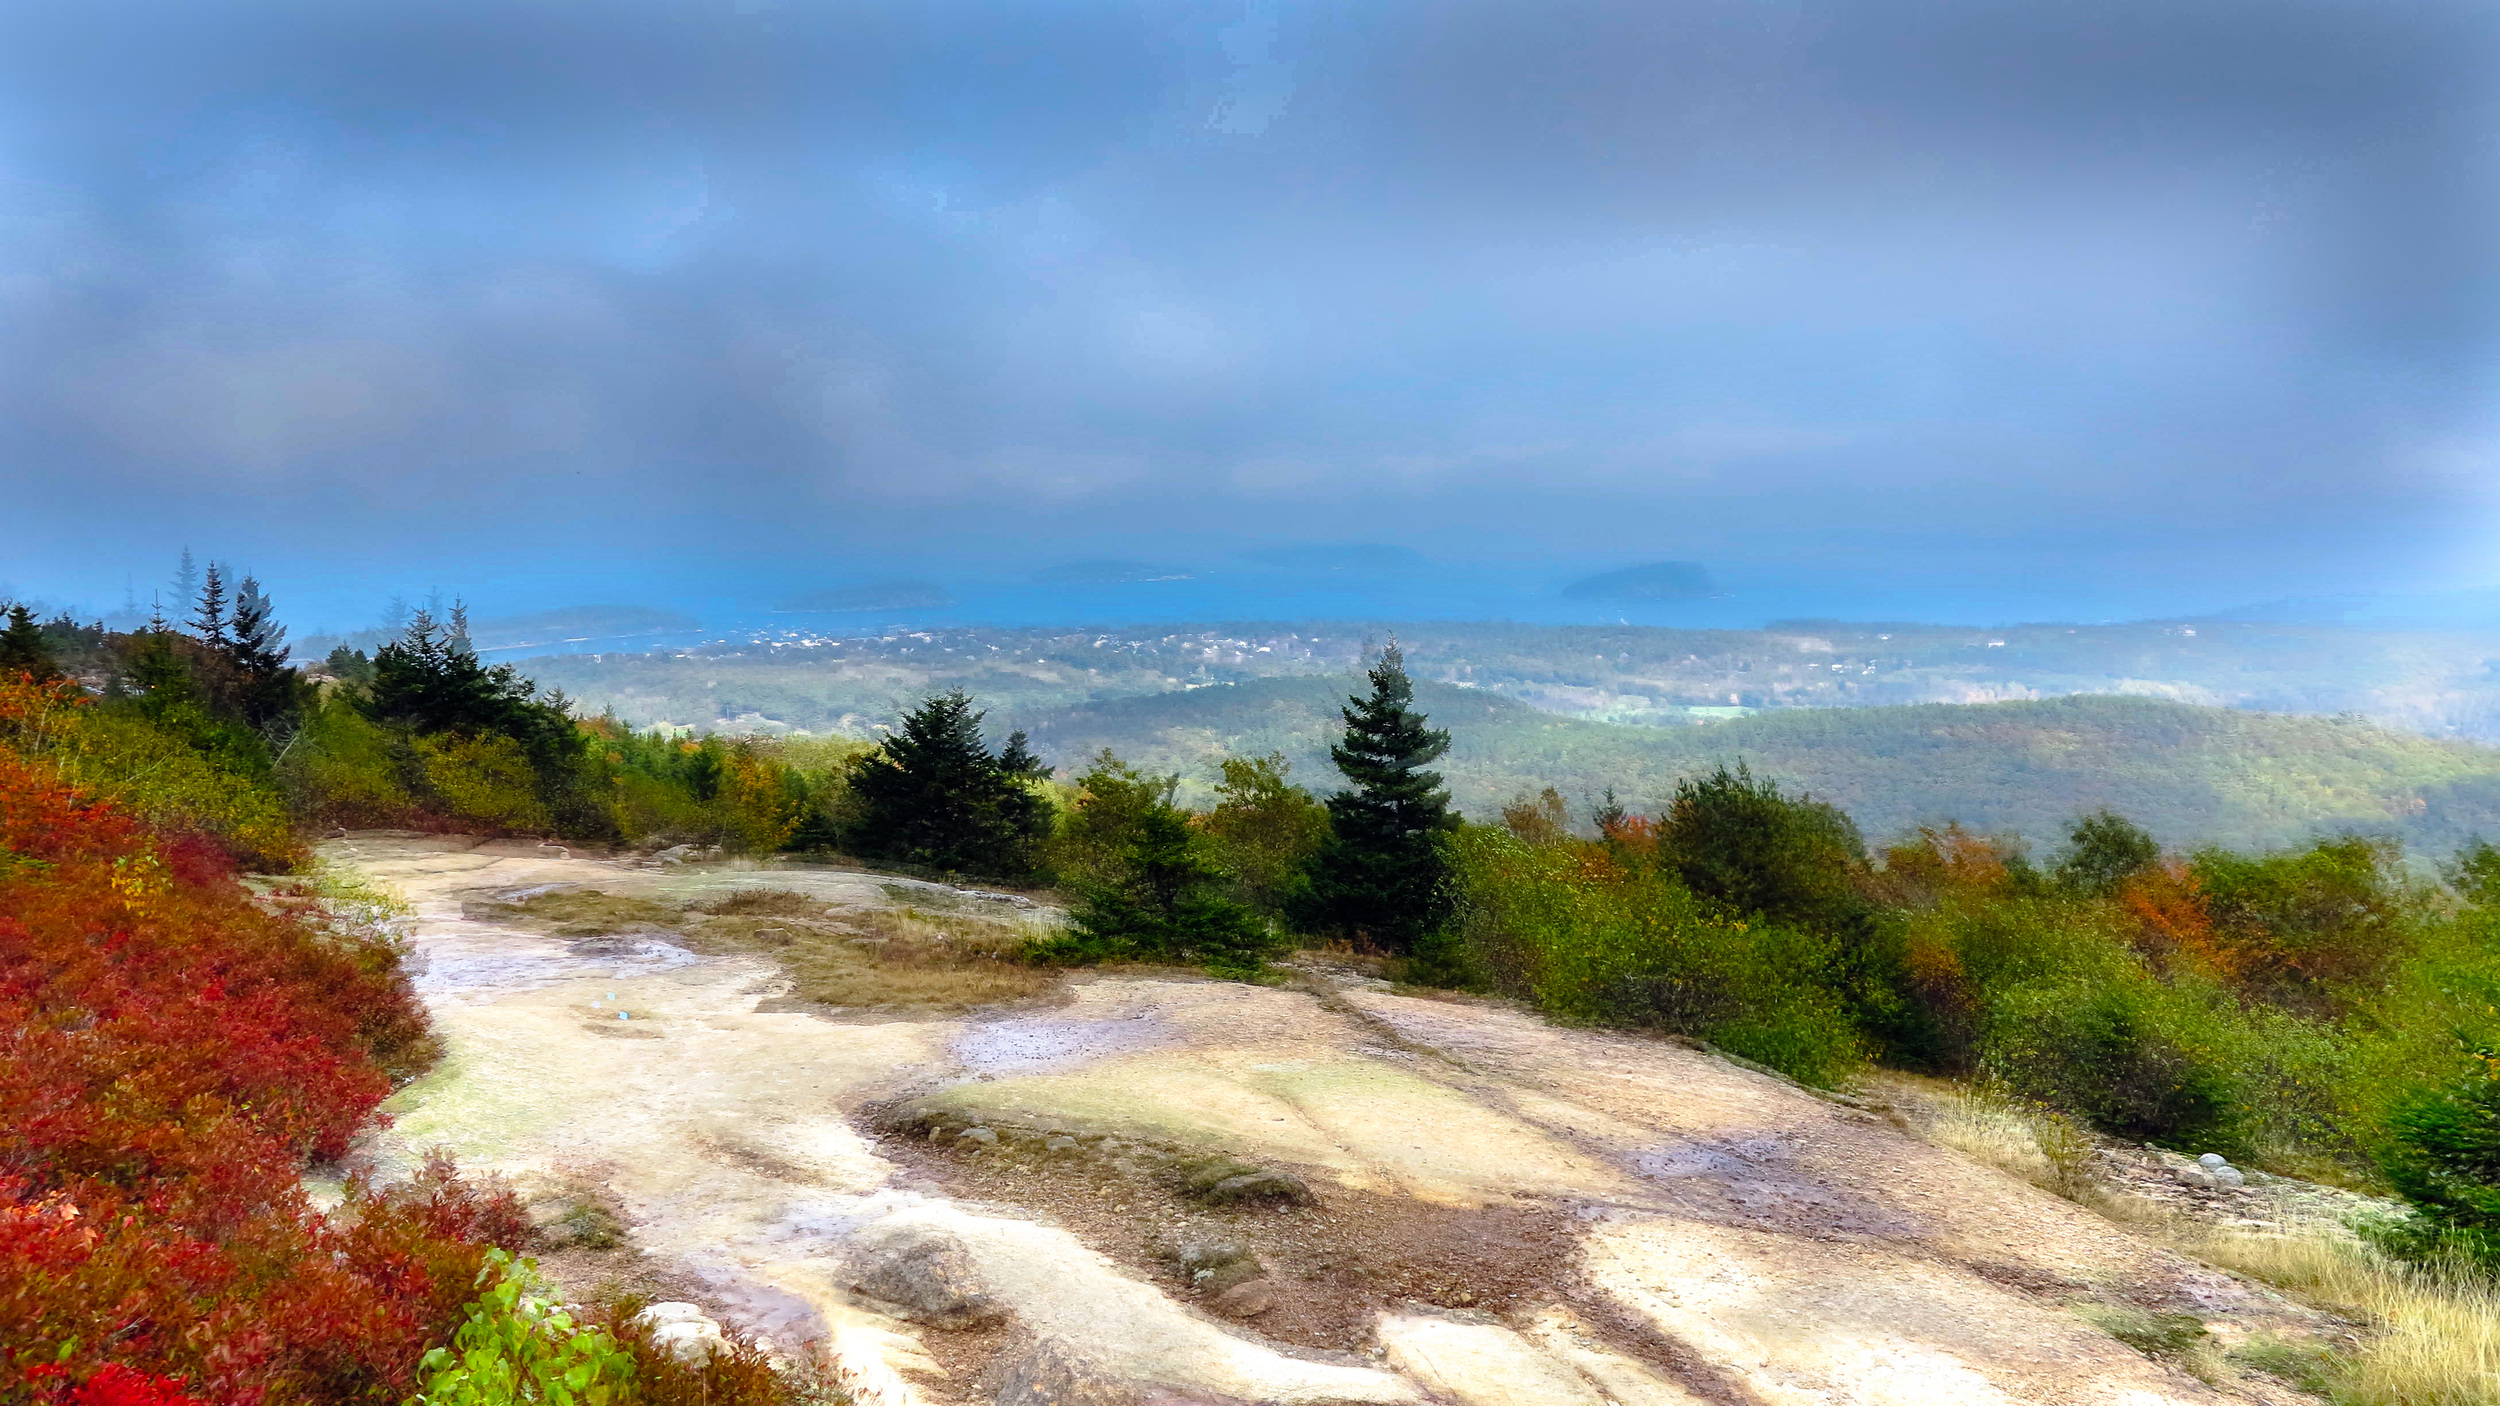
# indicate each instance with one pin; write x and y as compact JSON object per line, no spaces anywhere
{"x":815,"y":1102}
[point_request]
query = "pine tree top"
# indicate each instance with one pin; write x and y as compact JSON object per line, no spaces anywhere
{"x":209,"y":616}
{"x":1387,"y":743}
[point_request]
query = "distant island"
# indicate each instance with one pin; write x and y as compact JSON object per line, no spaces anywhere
{"x":1664,"y":580}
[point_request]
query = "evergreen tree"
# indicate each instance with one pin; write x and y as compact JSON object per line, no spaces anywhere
{"x":259,"y":645}
{"x":186,"y":577}
{"x":208,"y":618}
{"x":1382,"y":872}
{"x":1017,"y":759}
{"x":156,"y":674}
{"x":266,"y":688}
{"x":1163,"y":901}
{"x":350,"y":666}
{"x":429,"y":680}
{"x":23,"y":649}
{"x":935,"y":795}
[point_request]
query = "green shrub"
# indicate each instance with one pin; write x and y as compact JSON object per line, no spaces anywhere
{"x":484,"y":780}
{"x":1264,"y":830}
{"x":1587,"y":939}
{"x":344,"y":769}
{"x":2134,"y":1057}
{"x":518,"y":1347}
{"x":2443,"y":1156}
{"x":1104,"y":818}
{"x":1161,"y":900}
{"x":1746,"y":844}
{"x":2306,"y":928}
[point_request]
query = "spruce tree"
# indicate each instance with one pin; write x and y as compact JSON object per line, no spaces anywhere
{"x":1162,"y":899}
{"x":1382,"y":872}
{"x":23,"y":649}
{"x":208,"y":618}
{"x":430,"y":681}
{"x":936,"y":796}
{"x":259,"y":643}
{"x":267,"y":689}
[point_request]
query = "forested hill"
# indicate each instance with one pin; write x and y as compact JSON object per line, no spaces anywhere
{"x":2192,"y":775}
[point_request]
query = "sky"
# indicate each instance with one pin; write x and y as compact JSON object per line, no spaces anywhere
{"x":1980,"y":309}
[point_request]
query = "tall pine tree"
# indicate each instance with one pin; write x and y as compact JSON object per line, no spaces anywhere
{"x":208,"y":618}
{"x":1382,"y":872}
{"x":256,"y":648}
{"x":935,"y":795}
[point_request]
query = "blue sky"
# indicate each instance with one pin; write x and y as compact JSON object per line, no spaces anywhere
{"x":2021,"y":308}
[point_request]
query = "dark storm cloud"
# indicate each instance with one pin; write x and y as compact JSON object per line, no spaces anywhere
{"x":1881,"y":280}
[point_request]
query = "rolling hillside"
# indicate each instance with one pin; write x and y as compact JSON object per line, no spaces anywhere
{"x":2193,"y":775}
{"x":2436,"y":684}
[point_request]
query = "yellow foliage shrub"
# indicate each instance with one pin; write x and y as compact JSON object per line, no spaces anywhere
{"x":486,"y":780}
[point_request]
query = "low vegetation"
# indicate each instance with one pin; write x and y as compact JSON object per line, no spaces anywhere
{"x":2320,"y":1009}
{"x":865,"y":958}
{"x":172,"y":1055}
{"x":177,"y":1049}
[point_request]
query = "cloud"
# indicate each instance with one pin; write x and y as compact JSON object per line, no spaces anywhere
{"x":1899,"y":273}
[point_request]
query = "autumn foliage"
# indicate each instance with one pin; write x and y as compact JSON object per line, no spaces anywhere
{"x":171,"y":1056}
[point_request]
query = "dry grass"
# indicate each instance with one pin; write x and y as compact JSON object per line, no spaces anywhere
{"x":921,"y":961}
{"x":2435,"y":1338}
{"x":763,"y":903}
{"x":884,"y":958}
{"x":591,"y":913}
{"x":2043,"y":1147}
{"x":861,"y":958}
{"x":2431,"y":1338}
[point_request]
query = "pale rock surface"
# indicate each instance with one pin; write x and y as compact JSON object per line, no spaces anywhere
{"x":1479,"y":1362}
{"x":1745,"y":1239}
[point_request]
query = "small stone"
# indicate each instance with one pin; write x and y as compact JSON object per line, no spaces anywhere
{"x":1060,"y":1144}
{"x":1248,"y":1299}
{"x":983,"y":1136}
{"x":2212,"y":1160}
{"x":2227,"y":1176}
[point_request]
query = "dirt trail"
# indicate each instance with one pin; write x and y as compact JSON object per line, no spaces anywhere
{"x":1100,"y":1197}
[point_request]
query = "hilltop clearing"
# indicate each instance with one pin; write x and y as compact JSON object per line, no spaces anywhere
{"x":2189,"y":774}
{"x":1140,"y":1186}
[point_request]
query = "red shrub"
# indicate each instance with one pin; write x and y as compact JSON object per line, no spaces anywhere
{"x":170,"y":1056}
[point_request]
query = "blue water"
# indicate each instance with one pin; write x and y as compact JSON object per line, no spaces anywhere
{"x":1379,"y":601}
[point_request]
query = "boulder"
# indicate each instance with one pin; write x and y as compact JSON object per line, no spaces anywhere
{"x":921,"y":1273}
{"x":1215,"y":1266}
{"x":684,"y":1331}
{"x":1280,"y":1188}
